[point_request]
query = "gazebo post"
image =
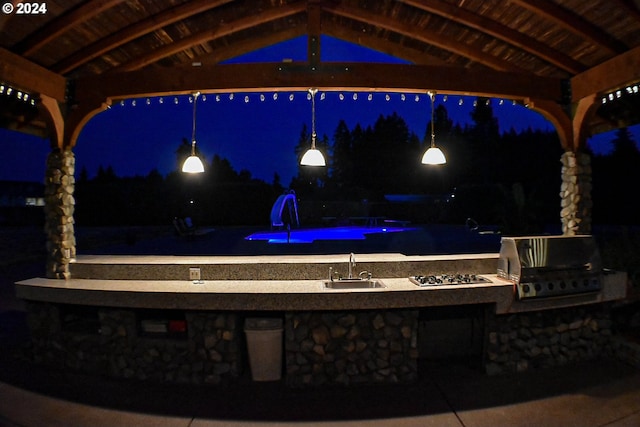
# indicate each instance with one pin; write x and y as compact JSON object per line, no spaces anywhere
{"x":59,"y":208}
{"x":575,"y":191}
{"x":59,"y":188}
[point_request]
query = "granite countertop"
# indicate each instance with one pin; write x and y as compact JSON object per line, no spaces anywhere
{"x":261,"y":294}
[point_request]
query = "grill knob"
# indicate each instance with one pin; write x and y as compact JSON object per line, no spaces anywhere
{"x":526,"y":289}
{"x":538,"y":287}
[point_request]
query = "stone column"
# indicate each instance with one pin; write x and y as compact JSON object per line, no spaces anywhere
{"x":59,"y":207}
{"x":575,"y":193}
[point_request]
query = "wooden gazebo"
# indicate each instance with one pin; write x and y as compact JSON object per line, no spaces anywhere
{"x":73,"y":58}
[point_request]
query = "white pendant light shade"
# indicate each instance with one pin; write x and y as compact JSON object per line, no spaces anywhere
{"x":193,"y":164}
{"x":433,"y":156}
{"x":313,"y":157}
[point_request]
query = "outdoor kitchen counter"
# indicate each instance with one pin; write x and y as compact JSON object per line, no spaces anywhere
{"x":259,"y":295}
{"x":289,"y":283}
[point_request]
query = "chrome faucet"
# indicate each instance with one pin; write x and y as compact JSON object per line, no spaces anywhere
{"x":352,"y":263}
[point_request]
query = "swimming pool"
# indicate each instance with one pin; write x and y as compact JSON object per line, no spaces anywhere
{"x":310,"y":235}
{"x":416,"y":239}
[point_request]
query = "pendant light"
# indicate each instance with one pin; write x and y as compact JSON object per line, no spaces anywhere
{"x":313,"y":156}
{"x":193,"y":164}
{"x":433,"y":156}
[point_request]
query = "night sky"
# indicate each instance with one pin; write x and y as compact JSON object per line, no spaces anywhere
{"x":253,"y":130}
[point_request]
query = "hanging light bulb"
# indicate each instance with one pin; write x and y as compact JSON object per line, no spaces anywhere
{"x":433,"y":156}
{"x":193,"y":164}
{"x":313,"y":156}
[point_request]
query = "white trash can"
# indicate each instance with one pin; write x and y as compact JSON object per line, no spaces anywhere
{"x":264,"y":345}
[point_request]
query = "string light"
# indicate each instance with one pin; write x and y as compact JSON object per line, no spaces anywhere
{"x":619,"y":93}
{"x":20,"y":95}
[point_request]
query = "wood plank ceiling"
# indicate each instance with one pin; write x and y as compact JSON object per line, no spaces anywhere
{"x":544,"y":38}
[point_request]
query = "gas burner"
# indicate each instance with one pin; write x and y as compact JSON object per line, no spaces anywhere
{"x":448,"y":279}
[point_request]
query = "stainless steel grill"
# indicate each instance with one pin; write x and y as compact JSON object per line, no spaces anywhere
{"x":547,"y":266}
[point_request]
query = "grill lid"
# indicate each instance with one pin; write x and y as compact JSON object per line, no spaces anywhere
{"x":550,"y":265}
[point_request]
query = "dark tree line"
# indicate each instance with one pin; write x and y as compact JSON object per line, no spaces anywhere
{"x":510,"y":179}
{"x":616,"y":177}
{"x":219,"y":196}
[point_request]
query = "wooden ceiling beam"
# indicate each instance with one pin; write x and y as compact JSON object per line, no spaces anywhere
{"x":572,"y":22}
{"x":613,"y":74}
{"x":428,"y":37}
{"x":62,"y":24}
{"x":215,"y":33}
{"x":98,"y":89}
{"x":499,"y":31}
{"x":30,"y":77}
{"x":132,"y":32}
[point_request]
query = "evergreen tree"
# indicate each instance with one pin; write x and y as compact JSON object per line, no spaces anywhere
{"x":484,"y":136}
{"x":342,"y":167}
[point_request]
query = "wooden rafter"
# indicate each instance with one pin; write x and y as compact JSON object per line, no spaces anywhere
{"x":208,"y":35}
{"x":499,"y":31}
{"x":381,"y":44}
{"x":572,"y":22}
{"x":31,"y":77}
{"x":63,"y":24}
{"x":134,"y":31}
{"x":249,"y":45}
{"x":630,"y":8}
{"x":428,"y":37}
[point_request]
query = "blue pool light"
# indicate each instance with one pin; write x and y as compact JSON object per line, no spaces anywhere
{"x":310,"y":235}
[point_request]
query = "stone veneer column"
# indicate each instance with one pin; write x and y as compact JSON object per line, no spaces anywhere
{"x":575,"y":194}
{"x":59,"y":207}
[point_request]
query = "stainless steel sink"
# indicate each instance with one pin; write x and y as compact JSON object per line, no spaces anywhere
{"x":353,"y":284}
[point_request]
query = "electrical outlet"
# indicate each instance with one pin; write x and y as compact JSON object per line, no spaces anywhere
{"x":194,"y":273}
